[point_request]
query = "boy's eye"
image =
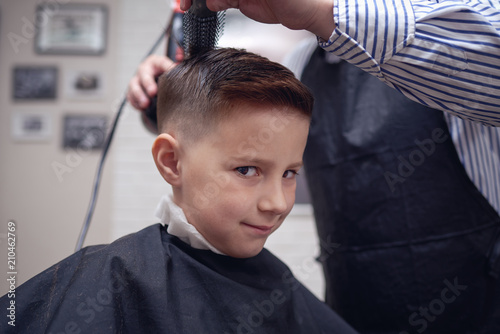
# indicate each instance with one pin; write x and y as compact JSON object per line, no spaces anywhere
{"x":290,"y":174}
{"x":247,"y":170}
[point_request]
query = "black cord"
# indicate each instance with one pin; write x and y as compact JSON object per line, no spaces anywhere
{"x":97,"y":179}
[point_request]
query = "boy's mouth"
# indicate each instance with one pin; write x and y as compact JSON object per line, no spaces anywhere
{"x":259,"y":229}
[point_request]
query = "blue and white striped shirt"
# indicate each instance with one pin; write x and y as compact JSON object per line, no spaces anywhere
{"x":442,"y":53}
{"x":477,"y":145}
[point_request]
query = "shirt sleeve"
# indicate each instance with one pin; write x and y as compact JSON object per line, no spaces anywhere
{"x":443,"y":54}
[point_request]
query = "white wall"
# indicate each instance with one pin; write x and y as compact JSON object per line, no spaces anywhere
{"x":49,"y":213}
{"x":48,"y":209}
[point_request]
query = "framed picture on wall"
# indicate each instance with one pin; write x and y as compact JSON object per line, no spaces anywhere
{"x":84,"y":131}
{"x":31,"y":125}
{"x":34,"y":82}
{"x":87,"y":85}
{"x":71,"y":29}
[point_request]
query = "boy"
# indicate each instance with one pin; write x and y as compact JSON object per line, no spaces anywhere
{"x":233,"y":130}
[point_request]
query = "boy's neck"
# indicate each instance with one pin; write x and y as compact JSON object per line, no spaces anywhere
{"x":172,"y":215}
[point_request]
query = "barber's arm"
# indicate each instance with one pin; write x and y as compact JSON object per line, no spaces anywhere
{"x":444,"y":54}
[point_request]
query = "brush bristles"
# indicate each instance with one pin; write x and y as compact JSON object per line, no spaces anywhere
{"x":201,"y":33}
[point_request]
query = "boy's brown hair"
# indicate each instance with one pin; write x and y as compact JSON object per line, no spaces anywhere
{"x":202,"y":90}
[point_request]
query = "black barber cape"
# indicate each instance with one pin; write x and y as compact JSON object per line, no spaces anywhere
{"x":152,"y":282}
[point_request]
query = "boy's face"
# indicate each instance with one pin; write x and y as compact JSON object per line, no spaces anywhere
{"x":237,"y":184}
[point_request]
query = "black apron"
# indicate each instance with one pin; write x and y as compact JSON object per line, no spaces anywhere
{"x":416,"y":244}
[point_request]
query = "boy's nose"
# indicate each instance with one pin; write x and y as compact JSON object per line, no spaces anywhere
{"x":273,"y":199}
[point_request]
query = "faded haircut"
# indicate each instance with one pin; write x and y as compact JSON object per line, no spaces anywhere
{"x":203,"y":89}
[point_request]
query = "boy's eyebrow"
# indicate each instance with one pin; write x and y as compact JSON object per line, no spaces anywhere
{"x":259,"y":161}
{"x":298,"y":164}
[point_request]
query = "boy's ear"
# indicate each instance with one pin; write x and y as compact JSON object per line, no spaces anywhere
{"x":166,"y":156}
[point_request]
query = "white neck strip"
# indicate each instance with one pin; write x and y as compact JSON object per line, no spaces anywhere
{"x":172,"y":215}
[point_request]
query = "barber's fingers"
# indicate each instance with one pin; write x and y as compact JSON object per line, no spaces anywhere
{"x":136,"y":95}
{"x":152,"y":67}
{"x":213,"y":5}
{"x":143,"y":85}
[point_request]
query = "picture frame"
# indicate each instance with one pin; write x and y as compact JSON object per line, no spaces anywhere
{"x":84,"y":131}
{"x":71,"y":29}
{"x":31,"y":125}
{"x":84,"y":85}
{"x":34,"y":82}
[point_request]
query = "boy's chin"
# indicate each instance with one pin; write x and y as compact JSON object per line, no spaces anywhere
{"x":244,"y":254}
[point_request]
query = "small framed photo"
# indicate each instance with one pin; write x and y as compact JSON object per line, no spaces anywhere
{"x":31,"y":125}
{"x":87,"y":132}
{"x":34,"y":83}
{"x":86,"y":85}
{"x":71,"y":29}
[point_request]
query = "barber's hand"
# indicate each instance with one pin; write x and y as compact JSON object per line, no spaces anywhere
{"x":315,"y":16}
{"x":143,"y":85}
